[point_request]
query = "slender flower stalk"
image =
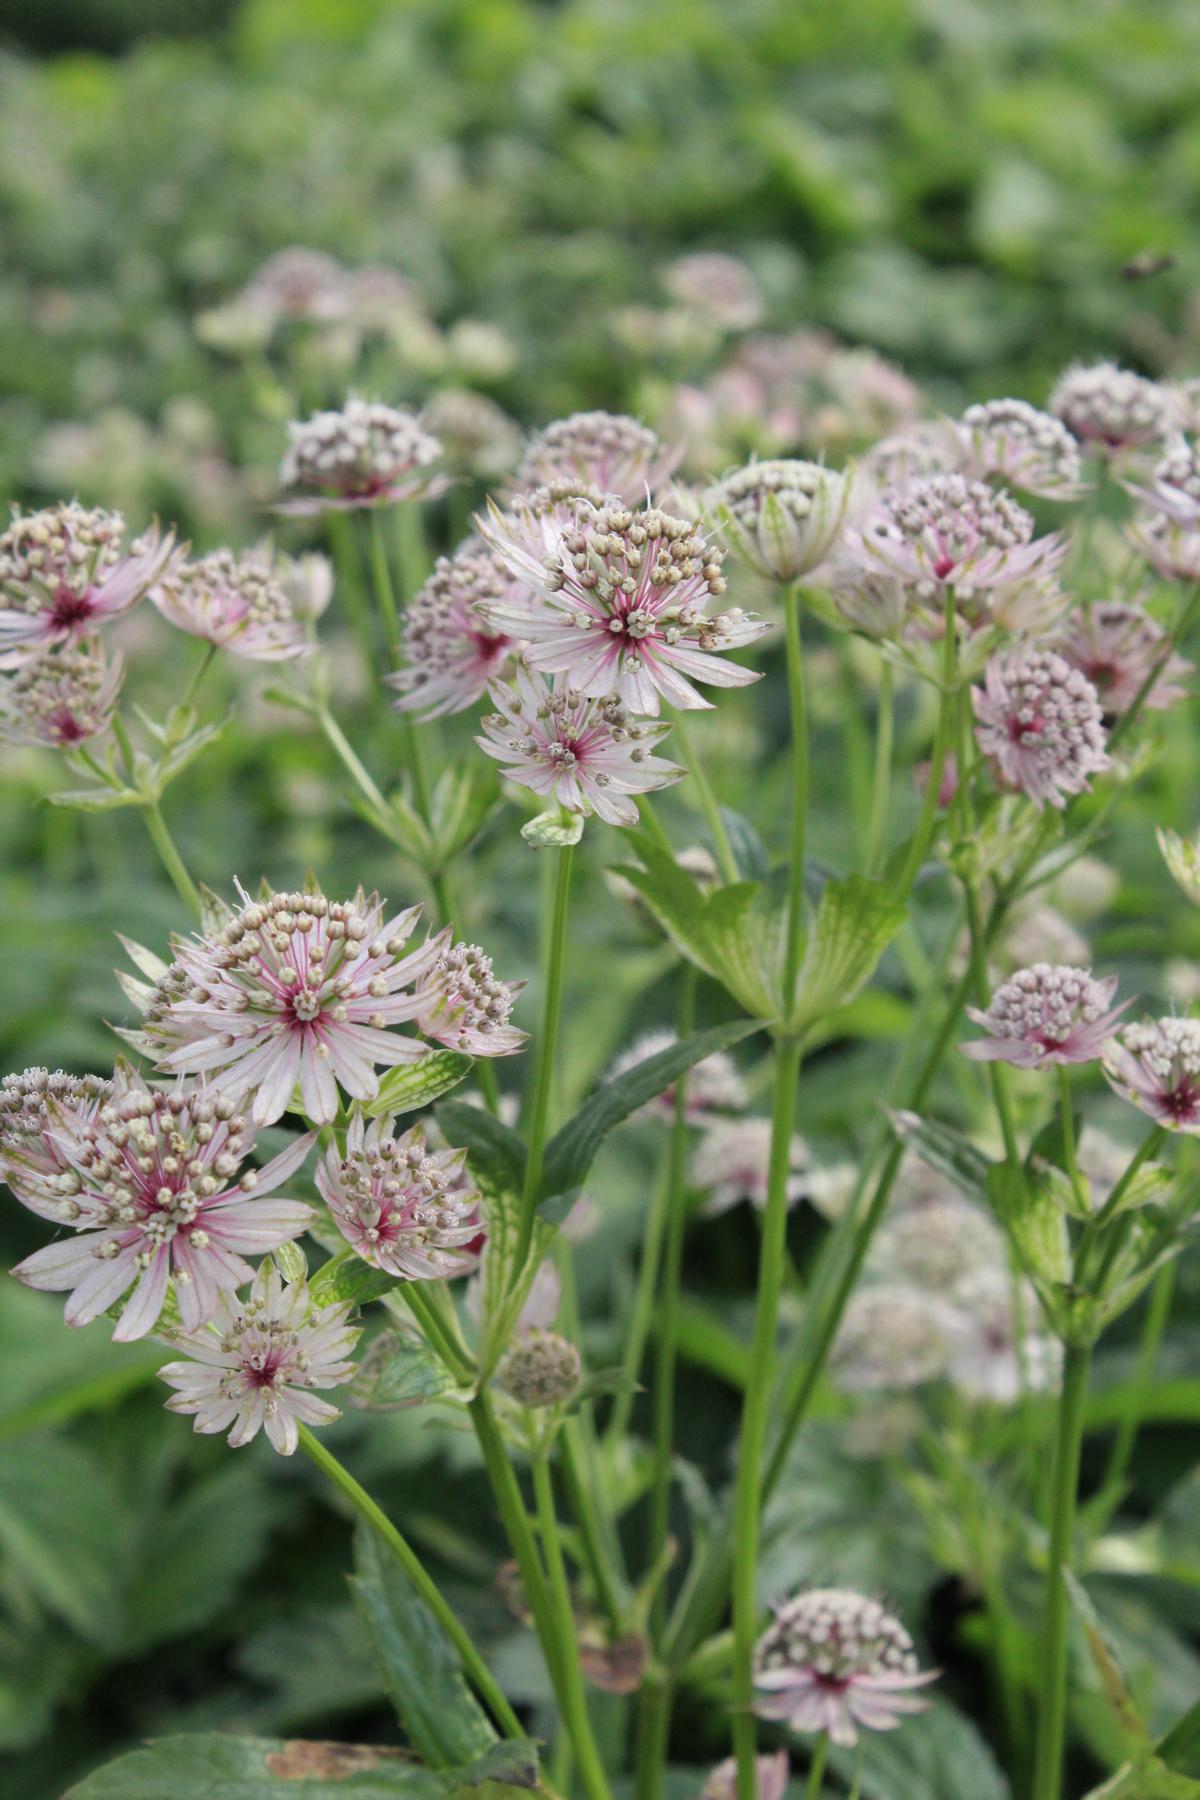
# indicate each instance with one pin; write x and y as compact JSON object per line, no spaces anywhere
{"x":798,"y":709}
{"x":172,"y":861}
{"x":1055,"y":1629}
{"x":553,"y":968}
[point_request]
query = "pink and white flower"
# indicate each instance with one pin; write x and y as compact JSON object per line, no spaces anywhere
{"x":35,"y":1108}
{"x":402,"y":1207}
{"x":832,"y":1661}
{"x":255,"y":1368}
{"x":462,"y":1003}
{"x":713,"y":1085}
{"x":62,"y":699}
{"x":720,"y":288}
{"x":1156,"y":1065}
{"x":1174,"y":490}
{"x":1117,"y":646}
{"x":1025,"y":447}
{"x":63,"y":574}
{"x":605,"y":450}
{"x":731,"y":1163}
{"x":782,"y":517}
{"x":589,"y":756}
{"x":235,"y":601}
{"x":771,"y":1776}
{"x":1171,"y":550}
{"x":151,"y":1191}
{"x":365,"y":454}
{"x":618,"y":609}
{"x":1112,"y":409}
{"x":1048,"y":1013}
{"x":450,"y":653}
{"x":1040,"y":723}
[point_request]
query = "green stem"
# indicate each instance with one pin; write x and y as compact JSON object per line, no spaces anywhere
{"x":573,"y":1698}
{"x":1047,"y":1780}
{"x":172,"y":862}
{"x":1079,"y":1186}
{"x":1158,"y":1312}
{"x":726,"y":860}
{"x":384,"y":592}
{"x":351,"y":587}
{"x":799,"y":802}
{"x":816,"y":1773}
{"x":748,"y":1492}
{"x":410,"y":547}
{"x":653,"y":1739}
{"x":881,"y":785}
{"x":350,"y":761}
{"x":201,"y":670}
{"x":476,"y":1669}
{"x":583,"y":1496}
{"x":927,"y":821}
{"x":555,"y":958}
{"x":637,"y":1332}
{"x":437,"y":1332}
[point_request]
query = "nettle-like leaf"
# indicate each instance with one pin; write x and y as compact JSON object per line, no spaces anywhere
{"x":411,"y":1085}
{"x":857,"y":918}
{"x":1035,"y":1224}
{"x":208,"y":1764}
{"x":947,"y":1151}
{"x":1182,"y":858}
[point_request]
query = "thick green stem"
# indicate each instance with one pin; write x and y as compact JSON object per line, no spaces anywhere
{"x":172,"y":862}
{"x":798,"y":706}
{"x":748,"y":1493}
{"x":553,"y":966}
{"x":476,"y":1669}
{"x":881,"y":784}
{"x":1047,"y":1780}
{"x":572,"y":1698}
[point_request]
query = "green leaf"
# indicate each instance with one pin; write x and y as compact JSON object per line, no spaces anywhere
{"x":945,"y":1150}
{"x":441,"y":1717}
{"x":1034,"y":1221}
{"x":856,"y":920}
{"x":514,"y":1765}
{"x":1104,"y":1655}
{"x":184,"y":754}
{"x":95,"y":800}
{"x":211,"y":1766}
{"x":1145,"y":1781}
{"x":553,"y":830}
{"x":409,"y":1373}
{"x":346,"y":1279}
{"x":420,"y":1083}
{"x":61,"y":1522}
{"x":495,"y":1152}
{"x":571,"y":1151}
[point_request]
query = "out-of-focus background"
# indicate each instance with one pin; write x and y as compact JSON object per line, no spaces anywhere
{"x":933,"y":200}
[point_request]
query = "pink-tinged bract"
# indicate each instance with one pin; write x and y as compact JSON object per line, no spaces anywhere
{"x":834,"y":1661}
{"x":450,"y":652}
{"x":64,"y":573}
{"x":1156,"y":1065}
{"x":255,"y":1368}
{"x":781,"y":517}
{"x":62,"y":699}
{"x":1047,"y":1013}
{"x":589,"y":756}
{"x":1040,"y":723}
{"x":605,"y":450}
{"x":233,"y":600}
{"x":365,"y":454}
{"x":153,"y":1191}
{"x":401,"y":1207}
{"x":1117,"y":646}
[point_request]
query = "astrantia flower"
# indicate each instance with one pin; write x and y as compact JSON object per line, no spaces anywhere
{"x":256,"y":1366}
{"x":308,"y":583}
{"x":35,"y":1108}
{"x":1039,"y":933}
{"x":233,"y":600}
{"x":1174,"y":489}
{"x":294,"y":988}
{"x":771,"y":1777}
{"x":541,"y":1369}
{"x":476,"y":435}
{"x":718,"y":287}
{"x":1049,"y":1013}
{"x":1116,"y":645}
{"x":1112,"y":409}
{"x":587,"y":755}
{"x":731,"y":1162}
{"x":781,"y":517}
{"x":1028,"y":448}
{"x":450,"y":653}
{"x":402,"y":1207}
{"x":832,"y":1661}
{"x":63,"y":699}
{"x":365,"y":454}
{"x":1172,"y":551}
{"x":937,"y":1246}
{"x":531,"y":527}
{"x":460,"y":1002}
{"x":63,"y":574}
{"x":1040,"y":723}
{"x":994,"y":1356}
{"x":928,"y":447}
{"x":1157,"y":1065}
{"x":619,"y":609}
{"x":614,"y":453}
{"x":713,"y":1085}
{"x":947,"y":531}
{"x":152,"y":1189}
{"x":298,"y":283}
{"x":892,"y":1336}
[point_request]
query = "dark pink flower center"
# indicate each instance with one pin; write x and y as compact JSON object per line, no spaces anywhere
{"x":71,"y":610}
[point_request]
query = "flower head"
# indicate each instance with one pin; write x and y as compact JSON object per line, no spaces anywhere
{"x":781,"y":517}
{"x":605,"y":450}
{"x":914,"y":453}
{"x":731,"y":1162}
{"x":402,"y":1207}
{"x":718,"y":287}
{"x":1174,"y":490}
{"x":1048,"y":1013}
{"x":307,"y":581}
{"x":892,"y":1336}
{"x":1117,"y":645}
{"x":541,"y":1369}
{"x":476,"y":435}
{"x":235,"y":601}
{"x":151,"y":1189}
{"x":587,"y":755}
{"x":936,"y":1246}
{"x":298,"y":283}
{"x":832,"y":1660}
{"x":771,"y":1776}
{"x":998,"y":1350}
{"x":450,"y":654}
{"x":293,"y":988}
{"x":460,"y":1002}
{"x":1112,"y":409}
{"x":34,"y":1108}
{"x":1030,"y":449}
{"x":713,"y":1085}
{"x":1172,"y":551}
{"x":62,"y":699}
{"x":257,"y":1365}
{"x":1040,"y":723}
{"x":619,"y":608}
{"x":365,"y":454}
{"x":1157,"y":1065}
{"x":63,"y":573}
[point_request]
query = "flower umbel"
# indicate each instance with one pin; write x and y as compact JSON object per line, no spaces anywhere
{"x":1049,"y":1013}
{"x":450,"y":654}
{"x":1112,"y":409}
{"x":832,"y":1661}
{"x":1040,"y":723}
{"x":35,"y":1108}
{"x":402,"y":1207}
{"x":63,"y":699}
{"x":365,"y":454}
{"x":63,"y":573}
{"x":234,"y":601}
{"x":256,"y":1367}
{"x":462,"y":1003}
{"x":606,"y":450}
{"x":1028,"y":448}
{"x":731,"y":1164}
{"x":1157,"y":1065}
{"x":1117,"y":645}
{"x":781,"y":517}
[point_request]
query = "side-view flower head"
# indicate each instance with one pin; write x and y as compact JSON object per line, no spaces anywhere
{"x":64,"y":572}
{"x":1049,"y":1013}
{"x":450,"y":653}
{"x":1025,"y":447}
{"x":1117,"y":646}
{"x":832,"y":1661}
{"x":62,"y":699}
{"x":605,"y":450}
{"x":233,"y":600}
{"x":781,"y":517}
{"x":1112,"y":409}
{"x":365,"y":454}
{"x":402,"y":1207}
{"x":1156,"y":1065}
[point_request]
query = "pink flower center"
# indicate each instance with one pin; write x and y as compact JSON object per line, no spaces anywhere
{"x":71,"y":610}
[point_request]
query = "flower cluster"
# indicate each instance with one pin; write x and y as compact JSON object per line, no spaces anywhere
{"x":605,"y":450}
{"x":401,"y":1207}
{"x":1030,"y":449}
{"x":1111,"y":409}
{"x":450,"y":654}
{"x":1046,"y":1014}
{"x":34,"y":1108}
{"x":831,"y":1661}
{"x":366,"y":454}
{"x":732,"y":1160}
{"x":62,"y":699}
{"x":1174,"y":490}
{"x":64,"y":573}
{"x":718,"y":287}
{"x":1040,"y":723}
{"x":233,"y":601}
{"x":782,"y":518}
{"x":1157,"y":1066}
{"x":1117,"y":646}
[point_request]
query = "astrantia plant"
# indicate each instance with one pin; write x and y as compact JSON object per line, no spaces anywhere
{"x":65,"y":572}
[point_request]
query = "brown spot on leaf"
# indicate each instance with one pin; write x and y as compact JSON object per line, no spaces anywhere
{"x":302,"y":1759}
{"x":615,"y":1668}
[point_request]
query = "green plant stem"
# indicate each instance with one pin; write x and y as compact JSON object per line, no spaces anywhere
{"x":573,"y":1699}
{"x":200,"y":671}
{"x":437,"y":1332}
{"x":1056,"y":1626}
{"x":350,"y":761}
{"x":582,"y":1495}
{"x":798,"y":708}
{"x":384,"y":592}
{"x":553,"y":966}
{"x":1079,"y":1186}
{"x":918,"y":848}
{"x":412,"y":554}
{"x":815,"y":1784}
{"x":350,"y":585}
{"x":881,"y":784}
{"x":637,"y":1331}
{"x":726,"y":860}
{"x":1158,"y":1311}
{"x":423,"y":1584}
{"x":1171,"y":1746}
{"x":172,"y":862}
{"x":748,"y":1491}
{"x":653,"y":1738}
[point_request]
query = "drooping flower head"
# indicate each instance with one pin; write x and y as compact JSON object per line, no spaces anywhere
{"x":62,"y":699}
{"x":832,"y":1661}
{"x":1116,"y":645}
{"x":1174,"y":489}
{"x":589,"y":756}
{"x":892,"y":1336}
{"x":257,"y":1366}
{"x":713,"y":1085}
{"x":619,"y":608}
{"x":781,"y":517}
{"x":152,"y":1190}
{"x":1049,"y":1013}
{"x":718,"y":287}
{"x":1025,"y":447}
{"x":462,"y":1003}
{"x":605,"y":450}
{"x":1040,"y":723}
{"x":1171,"y":550}
{"x":293,"y":988}
{"x":1112,"y":409}
{"x":998,"y":1349}
{"x":64,"y":573}
{"x":365,"y":454}
{"x":450,"y":652}
{"x":476,"y":435}
{"x":402,"y":1207}
{"x":35,"y":1108}
{"x":732,"y":1160}
{"x":233,"y":600}
{"x":1156,"y":1064}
